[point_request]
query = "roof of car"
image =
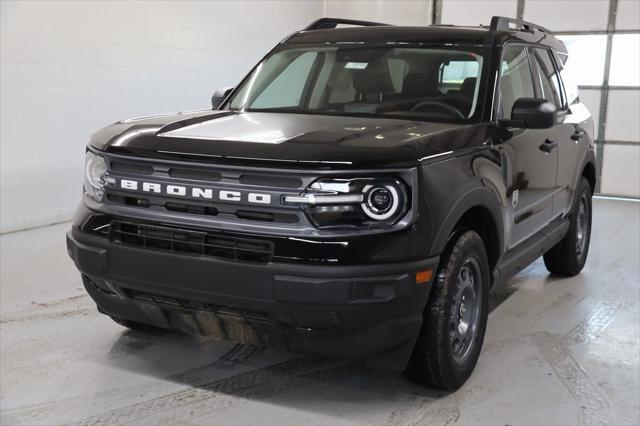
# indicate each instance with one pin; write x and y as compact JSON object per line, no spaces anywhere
{"x":380,"y":33}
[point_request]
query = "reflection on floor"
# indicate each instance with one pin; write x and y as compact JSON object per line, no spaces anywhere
{"x":562,"y":351}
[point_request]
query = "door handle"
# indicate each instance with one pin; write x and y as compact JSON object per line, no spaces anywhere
{"x":548,"y":145}
{"x":578,"y":134}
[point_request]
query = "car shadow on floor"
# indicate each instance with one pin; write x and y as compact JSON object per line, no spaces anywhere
{"x":289,"y":380}
{"x":223,"y":376}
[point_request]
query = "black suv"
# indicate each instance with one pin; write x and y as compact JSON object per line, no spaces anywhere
{"x":356,"y":195}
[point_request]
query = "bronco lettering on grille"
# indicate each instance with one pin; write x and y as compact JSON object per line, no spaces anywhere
{"x":195,"y":192}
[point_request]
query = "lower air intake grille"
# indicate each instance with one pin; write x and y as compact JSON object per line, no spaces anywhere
{"x":190,"y":241}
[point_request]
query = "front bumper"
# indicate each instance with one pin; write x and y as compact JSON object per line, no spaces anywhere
{"x":371,"y":311}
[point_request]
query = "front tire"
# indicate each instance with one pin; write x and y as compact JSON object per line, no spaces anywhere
{"x":455,"y":318}
{"x":570,"y":254}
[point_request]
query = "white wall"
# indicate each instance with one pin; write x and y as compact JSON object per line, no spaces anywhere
{"x":474,"y":12}
{"x":70,"y":67}
{"x":568,"y":15}
{"x":397,"y":12}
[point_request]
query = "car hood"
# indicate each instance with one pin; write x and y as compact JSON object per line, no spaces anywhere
{"x":281,"y":137}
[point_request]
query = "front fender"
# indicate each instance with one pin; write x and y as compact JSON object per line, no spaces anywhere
{"x":478,"y":196}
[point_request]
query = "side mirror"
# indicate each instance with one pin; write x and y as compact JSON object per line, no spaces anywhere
{"x":219,"y":96}
{"x":532,"y":113}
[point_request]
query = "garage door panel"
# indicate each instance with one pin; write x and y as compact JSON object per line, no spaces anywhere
{"x":560,"y":15}
{"x":620,"y":171}
{"x":622,"y":116}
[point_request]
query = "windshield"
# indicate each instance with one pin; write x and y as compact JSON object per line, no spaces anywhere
{"x":439,"y":84}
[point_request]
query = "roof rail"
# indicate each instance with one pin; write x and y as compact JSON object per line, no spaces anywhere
{"x":501,"y":23}
{"x":328,"y":23}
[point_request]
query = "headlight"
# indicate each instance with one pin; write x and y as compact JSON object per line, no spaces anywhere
{"x":358,"y":202}
{"x":95,"y":169}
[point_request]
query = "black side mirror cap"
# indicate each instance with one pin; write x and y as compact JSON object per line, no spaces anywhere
{"x":219,"y":96}
{"x":532,"y":113}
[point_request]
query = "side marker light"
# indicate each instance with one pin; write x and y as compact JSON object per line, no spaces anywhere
{"x":423,"y":277}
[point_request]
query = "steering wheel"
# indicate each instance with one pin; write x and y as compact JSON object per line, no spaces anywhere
{"x":446,"y":107}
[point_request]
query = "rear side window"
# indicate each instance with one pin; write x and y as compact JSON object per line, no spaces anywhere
{"x":516,"y":80}
{"x":568,"y":80}
{"x":547,"y":75}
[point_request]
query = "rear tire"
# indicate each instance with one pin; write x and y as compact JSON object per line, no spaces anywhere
{"x":455,"y":318}
{"x":570,"y":254}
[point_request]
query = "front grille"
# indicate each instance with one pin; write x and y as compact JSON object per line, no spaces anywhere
{"x":272,"y":181}
{"x":190,"y":241}
{"x":200,"y":208}
{"x":215,"y":178}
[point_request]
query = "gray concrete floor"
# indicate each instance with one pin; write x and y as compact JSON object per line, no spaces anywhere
{"x":557,"y":351}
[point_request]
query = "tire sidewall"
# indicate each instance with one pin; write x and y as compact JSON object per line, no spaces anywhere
{"x":584,"y":189}
{"x":472,"y":247}
{"x":563,"y":258}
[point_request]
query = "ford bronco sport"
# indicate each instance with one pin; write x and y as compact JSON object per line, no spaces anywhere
{"x":356,"y":195}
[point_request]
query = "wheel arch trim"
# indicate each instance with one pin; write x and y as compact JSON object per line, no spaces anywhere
{"x":478,"y":196}
{"x":588,"y":159}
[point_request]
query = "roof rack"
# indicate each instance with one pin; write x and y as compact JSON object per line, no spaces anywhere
{"x":501,"y":23}
{"x":328,"y":23}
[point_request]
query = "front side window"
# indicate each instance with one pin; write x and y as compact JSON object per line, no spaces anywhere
{"x":439,"y":84}
{"x":516,"y":80}
{"x":547,"y":76}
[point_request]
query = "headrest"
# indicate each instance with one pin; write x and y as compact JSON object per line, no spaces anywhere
{"x":415,"y":83}
{"x":468,"y":86}
{"x":370,"y":82}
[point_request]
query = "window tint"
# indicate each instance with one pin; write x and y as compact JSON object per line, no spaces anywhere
{"x":548,"y":77}
{"x":516,"y":80}
{"x":286,"y":89}
{"x":435,"y":83}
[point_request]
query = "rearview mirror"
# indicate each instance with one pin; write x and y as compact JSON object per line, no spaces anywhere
{"x":219,"y":96}
{"x":532,"y":113}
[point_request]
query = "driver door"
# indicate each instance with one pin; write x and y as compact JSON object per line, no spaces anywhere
{"x":529,"y":166}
